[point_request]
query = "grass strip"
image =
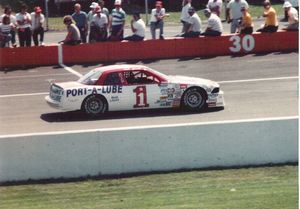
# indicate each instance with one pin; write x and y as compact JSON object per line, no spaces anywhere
{"x":263,"y":187}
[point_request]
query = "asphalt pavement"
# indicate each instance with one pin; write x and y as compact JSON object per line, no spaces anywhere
{"x":255,"y":86}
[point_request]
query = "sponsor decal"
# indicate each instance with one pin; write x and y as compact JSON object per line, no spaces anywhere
{"x":114,"y":99}
{"x":183,"y":86}
{"x":100,"y":90}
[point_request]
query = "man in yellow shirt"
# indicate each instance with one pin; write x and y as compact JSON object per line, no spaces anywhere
{"x":246,"y":25}
{"x":271,"y":22}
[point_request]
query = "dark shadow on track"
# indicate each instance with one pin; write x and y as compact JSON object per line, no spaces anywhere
{"x":75,"y":116}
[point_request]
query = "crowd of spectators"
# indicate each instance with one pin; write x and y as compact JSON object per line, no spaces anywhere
{"x":99,"y":25}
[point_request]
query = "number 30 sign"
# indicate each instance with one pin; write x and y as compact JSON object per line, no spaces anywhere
{"x":246,"y":43}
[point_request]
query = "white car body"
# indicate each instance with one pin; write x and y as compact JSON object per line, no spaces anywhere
{"x":162,"y":91}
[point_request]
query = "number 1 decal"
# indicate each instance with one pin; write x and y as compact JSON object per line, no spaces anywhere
{"x":141,"y":97}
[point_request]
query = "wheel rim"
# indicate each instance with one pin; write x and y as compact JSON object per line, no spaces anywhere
{"x":194,"y":100}
{"x":95,"y":106}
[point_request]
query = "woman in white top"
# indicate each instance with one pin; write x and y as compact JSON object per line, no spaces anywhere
{"x":5,"y":36}
{"x":24,"y":26}
{"x":8,"y":12}
{"x":184,"y":18}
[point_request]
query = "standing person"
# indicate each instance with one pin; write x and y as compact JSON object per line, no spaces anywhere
{"x":5,"y":35}
{"x":234,"y":13}
{"x":117,"y":22}
{"x":194,"y":25}
{"x":246,"y":24}
{"x":80,"y":18}
{"x":91,"y":12}
{"x":73,"y":36}
{"x":99,"y":26}
{"x":138,"y":28}
{"x":293,"y":19}
{"x":37,"y":20}
{"x":157,"y":20}
{"x":90,"y":16}
{"x":24,"y":25}
{"x":215,"y":6}
{"x":214,"y":24}
{"x":184,"y":18}
{"x":271,"y":22}
{"x":104,"y":10}
{"x":13,"y":21}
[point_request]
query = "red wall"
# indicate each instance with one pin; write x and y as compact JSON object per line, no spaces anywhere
{"x":151,"y":49}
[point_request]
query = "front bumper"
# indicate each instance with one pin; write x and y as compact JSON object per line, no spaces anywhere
{"x":216,"y":100}
{"x":52,"y":103}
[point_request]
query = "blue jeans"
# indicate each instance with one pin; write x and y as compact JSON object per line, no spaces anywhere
{"x":134,"y":38}
{"x":4,"y":42}
{"x":234,"y":25}
{"x":157,"y":25}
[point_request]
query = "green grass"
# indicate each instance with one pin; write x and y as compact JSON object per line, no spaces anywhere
{"x":265,"y":187}
{"x":56,"y":23}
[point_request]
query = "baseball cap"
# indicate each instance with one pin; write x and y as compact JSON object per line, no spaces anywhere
{"x":118,"y":2}
{"x":93,"y":5}
{"x":287,"y":4}
{"x":191,"y":9}
{"x":158,"y":4}
{"x":37,"y":9}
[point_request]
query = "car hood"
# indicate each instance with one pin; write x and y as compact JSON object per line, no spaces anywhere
{"x":69,"y":85}
{"x":192,"y":80}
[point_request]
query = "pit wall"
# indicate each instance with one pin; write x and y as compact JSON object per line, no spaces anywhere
{"x":148,"y":149}
{"x":150,"y":49}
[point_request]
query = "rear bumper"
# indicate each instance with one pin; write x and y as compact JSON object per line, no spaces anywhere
{"x":216,"y":100}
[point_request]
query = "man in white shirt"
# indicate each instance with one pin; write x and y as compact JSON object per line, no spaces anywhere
{"x":13,"y":21}
{"x":37,"y":21}
{"x":157,"y":20}
{"x":99,"y":26}
{"x":215,"y":6}
{"x":234,"y":13}
{"x":138,"y":28}
{"x":184,"y":18}
{"x":293,"y":19}
{"x":295,"y":4}
{"x":194,"y":25}
{"x":214,"y":24}
{"x":24,"y":25}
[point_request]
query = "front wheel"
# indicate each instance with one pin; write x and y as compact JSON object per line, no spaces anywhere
{"x":194,"y":99}
{"x":94,"y":105}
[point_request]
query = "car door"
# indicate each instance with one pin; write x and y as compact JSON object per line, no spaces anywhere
{"x":145,"y":89}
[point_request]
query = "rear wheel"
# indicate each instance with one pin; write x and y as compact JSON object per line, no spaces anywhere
{"x":194,"y":99}
{"x":94,"y":105}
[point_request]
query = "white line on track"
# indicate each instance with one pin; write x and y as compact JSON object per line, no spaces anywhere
{"x":33,"y":76}
{"x":154,"y":126}
{"x":23,"y":95}
{"x":221,"y":82}
{"x":259,"y":79}
{"x":61,"y":62}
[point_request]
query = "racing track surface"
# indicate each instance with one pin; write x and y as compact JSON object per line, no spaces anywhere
{"x":249,"y":94}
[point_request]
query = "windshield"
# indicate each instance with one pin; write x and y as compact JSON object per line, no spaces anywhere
{"x":91,"y":77}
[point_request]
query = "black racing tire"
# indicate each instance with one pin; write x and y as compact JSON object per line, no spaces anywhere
{"x":94,"y":105}
{"x":194,"y":99}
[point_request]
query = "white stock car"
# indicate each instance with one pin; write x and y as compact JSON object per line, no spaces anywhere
{"x":130,"y":87}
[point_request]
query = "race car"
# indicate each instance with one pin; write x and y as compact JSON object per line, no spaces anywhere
{"x":133,"y":87}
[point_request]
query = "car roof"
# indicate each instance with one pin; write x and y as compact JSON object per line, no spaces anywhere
{"x":112,"y":68}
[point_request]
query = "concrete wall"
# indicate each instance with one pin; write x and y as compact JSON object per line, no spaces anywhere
{"x":146,"y":149}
